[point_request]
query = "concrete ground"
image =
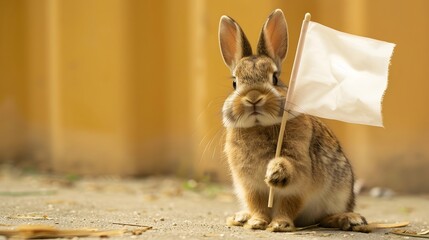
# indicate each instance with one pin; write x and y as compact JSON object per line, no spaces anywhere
{"x":175,"y":209}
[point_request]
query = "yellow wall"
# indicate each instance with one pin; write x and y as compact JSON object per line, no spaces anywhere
{"x":14,"y":97}
{"x":136,"y":87}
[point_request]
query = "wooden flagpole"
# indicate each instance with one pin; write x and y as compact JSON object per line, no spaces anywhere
{"x":294,"y":73}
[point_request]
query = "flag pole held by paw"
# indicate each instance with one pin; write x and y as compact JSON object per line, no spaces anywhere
{"x":294,"y":73}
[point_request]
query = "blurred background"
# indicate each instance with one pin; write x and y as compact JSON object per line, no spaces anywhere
{"x":135,"y":87}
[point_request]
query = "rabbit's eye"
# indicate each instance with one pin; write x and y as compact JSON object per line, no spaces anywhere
{"x":275,"y":79}
{"x":234,"y":82}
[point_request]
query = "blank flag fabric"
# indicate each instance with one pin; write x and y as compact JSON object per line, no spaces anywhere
{"x":341,"y":76}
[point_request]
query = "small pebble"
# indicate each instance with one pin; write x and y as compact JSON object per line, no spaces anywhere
{"x":381,"y":192}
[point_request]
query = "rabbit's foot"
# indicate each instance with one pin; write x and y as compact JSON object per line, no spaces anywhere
{"x":279,"y":171}
{"x":256,"y":224}
{"x":281,"y":225}
{"x":239,"y":219}
{"x":348,"y":221}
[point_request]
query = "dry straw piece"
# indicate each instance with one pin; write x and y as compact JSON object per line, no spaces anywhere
{"x":43,"y":231}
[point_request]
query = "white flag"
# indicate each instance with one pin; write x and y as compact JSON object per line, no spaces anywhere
{"x":341,"y":76}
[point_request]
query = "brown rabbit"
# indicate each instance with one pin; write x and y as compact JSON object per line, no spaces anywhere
{"x":313,"y":179}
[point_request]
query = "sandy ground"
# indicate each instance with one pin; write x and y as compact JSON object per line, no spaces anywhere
{"x":174,"y":208}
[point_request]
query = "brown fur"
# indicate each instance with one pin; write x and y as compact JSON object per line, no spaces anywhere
{"x":313,"y":179}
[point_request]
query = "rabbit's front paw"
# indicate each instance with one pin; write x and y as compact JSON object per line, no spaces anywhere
{"x":279,"y":172}
{"x":279,"y":225}
{"x":239,"y":219}
{"x":256,"y":223}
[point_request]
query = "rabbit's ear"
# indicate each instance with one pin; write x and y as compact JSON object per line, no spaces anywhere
{"x":273,"y":41}
{"x":233,"y":43}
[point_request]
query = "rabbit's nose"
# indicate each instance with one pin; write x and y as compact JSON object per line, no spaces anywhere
{"x":254,"y":102}
{"x":253,"y":98}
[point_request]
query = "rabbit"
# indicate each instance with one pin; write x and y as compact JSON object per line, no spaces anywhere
{"x":313,"y":179}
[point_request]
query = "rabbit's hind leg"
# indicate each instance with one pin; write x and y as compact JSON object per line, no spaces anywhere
{"x":348,"y":221}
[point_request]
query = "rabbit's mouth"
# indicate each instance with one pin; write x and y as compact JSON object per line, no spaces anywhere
{"x":256,"y":112}
{"x":259,"y":118}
